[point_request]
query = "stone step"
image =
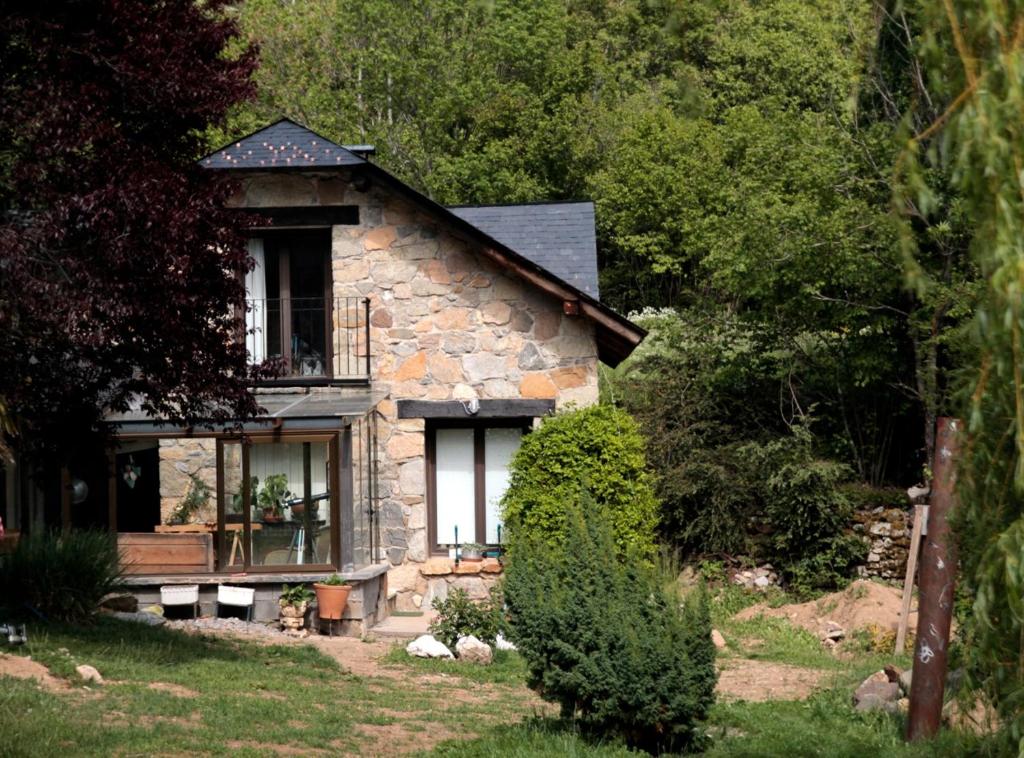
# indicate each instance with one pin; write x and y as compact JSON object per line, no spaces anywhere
{"x":403,"y":627}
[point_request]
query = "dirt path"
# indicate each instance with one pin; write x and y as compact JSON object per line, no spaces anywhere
{"x":740,"y":678}
{"x":23,"y":667}
{"x":758,"y":681}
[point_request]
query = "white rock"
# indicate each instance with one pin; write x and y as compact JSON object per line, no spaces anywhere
{"x":762,"y":582}
{"x":426,"y":646}
{"x":717,"y":639}
{"x":89,"y":674}
{"x":503,"y":644}
{"x":141,"y":617}
{"x":473,"y":650}
{"x":417,"y":600}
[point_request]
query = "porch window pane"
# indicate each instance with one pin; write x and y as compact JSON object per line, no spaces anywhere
{"x":291,"y":519}
{"x":499,"y":447}
{"x":232,"y":553}
{"x":456,"y":486}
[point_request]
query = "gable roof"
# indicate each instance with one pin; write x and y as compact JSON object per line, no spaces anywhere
{"x":282,"y":145}
{"x":560,"y":237}
{"x":616,"y":335}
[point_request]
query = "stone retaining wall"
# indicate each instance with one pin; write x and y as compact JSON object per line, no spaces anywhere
{"x":888,"y":530}
{"x":414,"y":586}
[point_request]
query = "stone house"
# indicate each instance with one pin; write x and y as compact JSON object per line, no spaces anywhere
{"x":419,"y":343}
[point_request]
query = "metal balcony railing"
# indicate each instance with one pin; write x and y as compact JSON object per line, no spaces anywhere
{"x":316,"y":338}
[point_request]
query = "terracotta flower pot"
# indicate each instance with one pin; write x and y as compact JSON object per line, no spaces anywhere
{"x":331,"y":600}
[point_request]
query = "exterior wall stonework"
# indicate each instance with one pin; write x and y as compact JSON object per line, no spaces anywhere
{"x":446,"y":324}
{"x":178,"y":459}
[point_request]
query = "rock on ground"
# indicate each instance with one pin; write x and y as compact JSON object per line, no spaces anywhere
{"x":426,"y":646}
{"x":473,"y":650}
{"x":140,"y":618}
{"x":876,"y":693}
{"x":120,"y":602}
{"x":89,"y":674}
{"x":717,"y":639}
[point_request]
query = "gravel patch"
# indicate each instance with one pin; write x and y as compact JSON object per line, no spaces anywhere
{"x":229,"y":625}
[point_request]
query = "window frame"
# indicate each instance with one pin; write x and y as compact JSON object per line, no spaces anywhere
{"x":282,"y":241}
{"x":480,"y":426}
{"x":334,"y":484}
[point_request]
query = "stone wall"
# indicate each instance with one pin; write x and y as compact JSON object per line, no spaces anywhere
{"x":178,"y":459}
{"x":415,"y":586}
{"x":888,"y":531}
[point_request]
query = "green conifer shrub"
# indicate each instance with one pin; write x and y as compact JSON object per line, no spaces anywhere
{"x":608,"y":639}
{"x":597,"y":449}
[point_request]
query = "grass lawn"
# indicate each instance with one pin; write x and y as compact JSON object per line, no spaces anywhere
{"x":167,"y":692}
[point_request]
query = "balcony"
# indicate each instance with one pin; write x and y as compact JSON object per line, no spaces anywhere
{"x":319,"y":340}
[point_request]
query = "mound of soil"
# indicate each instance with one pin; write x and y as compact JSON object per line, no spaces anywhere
{"x":21,"y":667}
{"x":864,"y":603}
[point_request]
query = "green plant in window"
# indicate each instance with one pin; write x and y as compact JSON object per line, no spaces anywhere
{"x":273,"y":495}
{"x":197,"y":497}
{"x":238,"y":498}
{"x":472,"y":551}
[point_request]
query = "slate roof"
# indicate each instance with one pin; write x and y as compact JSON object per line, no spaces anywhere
{"x":558,"y":237}
{"x":284,"y":144}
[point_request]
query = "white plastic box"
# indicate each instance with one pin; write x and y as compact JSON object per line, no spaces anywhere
{"x":184,"y":594}
{"x":242,"y":596}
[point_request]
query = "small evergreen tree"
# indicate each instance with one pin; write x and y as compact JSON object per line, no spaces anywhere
{"x":607,"y":640}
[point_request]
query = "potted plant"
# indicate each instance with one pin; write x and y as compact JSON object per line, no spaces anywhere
{"x":331,"y":597}
{"x":235,"y":516}
{"x":473,"y":551}
{"x":272,"y":497}
{"x":294,"y":601}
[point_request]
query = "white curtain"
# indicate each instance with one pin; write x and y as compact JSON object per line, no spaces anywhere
{"x":456,"y":486}
{"x":256,"y":291}
{"x":500,"y":445}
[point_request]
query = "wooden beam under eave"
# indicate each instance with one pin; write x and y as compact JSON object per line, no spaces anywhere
{"x":631,"y":336}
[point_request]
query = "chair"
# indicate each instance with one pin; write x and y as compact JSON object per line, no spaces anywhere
{"x":238,"y":597}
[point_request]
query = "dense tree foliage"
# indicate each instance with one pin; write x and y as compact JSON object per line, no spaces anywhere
{"x":975,"y":58}
{"x":740,"y":155}
{"x":118,"y":260}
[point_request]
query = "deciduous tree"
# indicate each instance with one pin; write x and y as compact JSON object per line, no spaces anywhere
{"x":118,"y":260}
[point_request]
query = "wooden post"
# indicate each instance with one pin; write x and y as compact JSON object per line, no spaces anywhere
{"x":935,"y":607}
{"x":920,"y":517}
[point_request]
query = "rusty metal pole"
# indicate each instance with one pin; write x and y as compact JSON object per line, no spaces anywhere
{"x":935,"y":604}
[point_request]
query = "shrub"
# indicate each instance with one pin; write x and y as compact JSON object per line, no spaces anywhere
{"x":61,"y":576}
{"x":458,"y":616}
{"x":608,"y":639}
{"x":596,"y":449}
